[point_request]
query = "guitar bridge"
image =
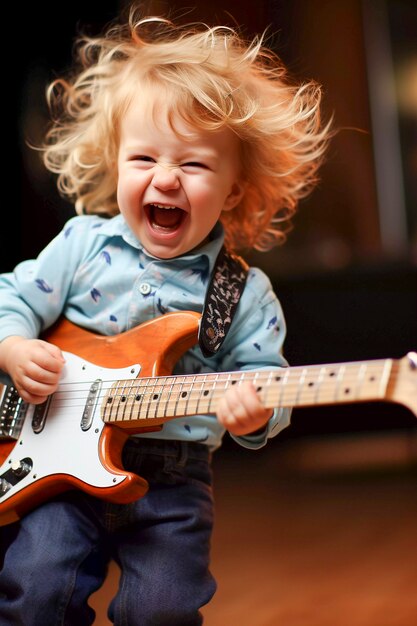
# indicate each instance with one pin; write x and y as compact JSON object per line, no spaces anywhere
{"x":12,"y":413}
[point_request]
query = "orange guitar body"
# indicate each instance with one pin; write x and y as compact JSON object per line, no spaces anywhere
{"x":156,"y":346}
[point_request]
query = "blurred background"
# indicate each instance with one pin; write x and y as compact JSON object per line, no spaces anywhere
{"x":346,"y":278}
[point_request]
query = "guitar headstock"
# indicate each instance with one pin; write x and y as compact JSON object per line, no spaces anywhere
{"x":402,"y":387}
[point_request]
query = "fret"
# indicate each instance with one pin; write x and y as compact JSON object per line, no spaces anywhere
{"x":385,"y":377}
{"x":161,"y":392}
{"x":205,"y":396}
{"x":300,"y":387}
{"x":213,"y":395}
{"x":211,"y":399}
{"x":112,"y":402}
{"x":178,"y":393}
{"x":152,"y":397}
{"x":165,"y":397}
{"x":201,"y":380}
{"x":143,"y":408}
{"x":125,"y":399}
{"x":183,"y":396}
{"x":267,"y":391}
{"x":127,"y":415}
{"x":117,"y":408}
{"x":317,"y":387}
{"x":193,"y":397}
{"x":136,"y":399}
{"x":339,"y":381}
{"x":283,"y":384}
{"x":361,"y":379}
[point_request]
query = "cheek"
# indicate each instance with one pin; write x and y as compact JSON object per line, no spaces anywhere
{"x":204,"y":194}
{"x":126,"y":191}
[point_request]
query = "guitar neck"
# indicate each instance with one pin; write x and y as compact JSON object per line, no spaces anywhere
{"x":147,"y":402}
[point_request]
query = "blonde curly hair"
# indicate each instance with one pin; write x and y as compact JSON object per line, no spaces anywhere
{"x":215,"y":79}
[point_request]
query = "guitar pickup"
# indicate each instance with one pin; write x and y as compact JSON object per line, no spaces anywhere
{"x":88,"y":413}
{"x":39,"y":416}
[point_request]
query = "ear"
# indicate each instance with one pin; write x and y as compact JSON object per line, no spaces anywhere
{"x":235,"y":196}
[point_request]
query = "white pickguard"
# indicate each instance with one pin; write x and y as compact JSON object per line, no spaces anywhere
{"x":63,"y":447}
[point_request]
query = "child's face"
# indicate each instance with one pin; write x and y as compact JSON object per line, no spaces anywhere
{"x":171,"y":190}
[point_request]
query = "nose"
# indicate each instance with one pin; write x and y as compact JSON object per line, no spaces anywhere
{"x":165,"y":177}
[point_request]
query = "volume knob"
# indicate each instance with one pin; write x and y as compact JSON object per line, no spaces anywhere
{"x":20,"y":468}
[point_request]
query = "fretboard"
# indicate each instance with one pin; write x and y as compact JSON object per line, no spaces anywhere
{"x":150,"y":401}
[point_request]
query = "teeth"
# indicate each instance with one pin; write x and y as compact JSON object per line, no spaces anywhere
{"x":163,"y":206}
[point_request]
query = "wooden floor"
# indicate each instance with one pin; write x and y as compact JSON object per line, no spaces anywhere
{"x":300,"y":542}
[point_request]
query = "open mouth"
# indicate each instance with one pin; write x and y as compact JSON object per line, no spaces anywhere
{"x":164,"y":218}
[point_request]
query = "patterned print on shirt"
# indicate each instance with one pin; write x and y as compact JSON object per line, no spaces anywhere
{"x":272,"y":322}
{"x":160,"y":307}
{"x":106,"y":256}
{"x":43,"y":285}
{"x":95,"y":294}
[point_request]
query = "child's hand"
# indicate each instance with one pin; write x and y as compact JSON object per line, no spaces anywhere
{"x":241,"y":412}
{"x":34,"y":365}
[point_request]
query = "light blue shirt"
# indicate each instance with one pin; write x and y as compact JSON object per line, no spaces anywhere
{"x":98,"y":275}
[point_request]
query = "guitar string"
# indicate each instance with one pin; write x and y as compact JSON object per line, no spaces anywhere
{"x":163,"y":388}
{"x":227,"y":378}
{"x":293,"y":372}
{"x":192,"y":396}
{"x":274,"y":401}
{"x":209,"y":381}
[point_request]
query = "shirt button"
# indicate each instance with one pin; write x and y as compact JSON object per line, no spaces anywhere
{"x":145,"y":288}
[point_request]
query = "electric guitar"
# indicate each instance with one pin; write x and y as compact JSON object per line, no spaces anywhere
{"x":113,"y":386}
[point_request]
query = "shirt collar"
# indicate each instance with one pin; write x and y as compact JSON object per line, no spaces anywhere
{"x":117,"y":227}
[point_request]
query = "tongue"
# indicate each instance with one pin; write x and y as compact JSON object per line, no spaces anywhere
{"x":166,"y":218}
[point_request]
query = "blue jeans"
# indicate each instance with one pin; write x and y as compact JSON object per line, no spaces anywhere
{"x":57,"y":555}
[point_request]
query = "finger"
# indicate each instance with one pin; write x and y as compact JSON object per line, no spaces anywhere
{"x":35,"y":388}
{"x":243,"y":401}
{"x":49,"y":357}
{"x":54,"y":351}
{"x":41,"y":375}
{"x":29,"y":397}
{"x":241,"y":412}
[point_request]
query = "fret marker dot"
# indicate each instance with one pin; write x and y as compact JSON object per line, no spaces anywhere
{"x":206,"y":392}
{"x":347,"y":390}
{"x":311,"y":384}
{"x":277,"y":378}
{"x":233,"y":382}
{"x":109,"y":400}
{"x":123,"y":399}
{"x":259,"y":389}
{"x":372,"y":378}
{"x":155,"y":397}
{"x":138,"y":398}
{"x":332,"y":374}
{"x":184,"y":394}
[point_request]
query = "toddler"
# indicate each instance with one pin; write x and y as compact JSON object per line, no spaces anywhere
{"x":172,"y":142}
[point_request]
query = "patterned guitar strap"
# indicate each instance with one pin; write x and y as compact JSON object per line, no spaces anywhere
{"x":223,"y":294}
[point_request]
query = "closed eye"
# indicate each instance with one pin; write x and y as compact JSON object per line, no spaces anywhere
{"x":195,"y":164}
{"x":142,"y":157}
